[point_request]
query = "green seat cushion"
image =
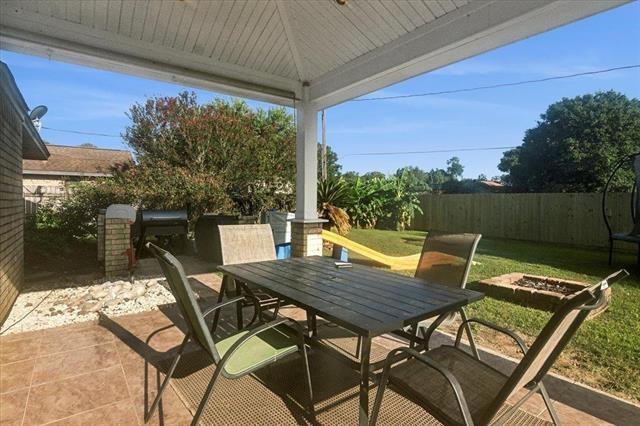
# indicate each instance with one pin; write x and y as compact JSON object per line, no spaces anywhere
{"x":262,"y":349}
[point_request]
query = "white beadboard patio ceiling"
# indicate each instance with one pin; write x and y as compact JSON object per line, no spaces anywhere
{"x":267,"y":49}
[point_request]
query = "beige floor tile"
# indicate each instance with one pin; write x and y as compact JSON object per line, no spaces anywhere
{"x":64,"y":398}
{"x":12,"y":407}
{"x":16,"y":375}
{"x":19,"y":349}
{"x":72,"y":363}
{"x":120,"y":413}
{"x":74,"y":339}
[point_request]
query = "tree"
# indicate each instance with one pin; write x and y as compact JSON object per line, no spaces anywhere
{"x":454,"y":168}
{"x":402,"y":200}
{"x":87,"y":145}
{"x":220,"y":157}
{"x":417,"y":180}
{"x":373,"y":175}
{"x":350,"y":177}
{"x":333,"y":167}
{"x":366,"y":201}
{"x":575,"y":144}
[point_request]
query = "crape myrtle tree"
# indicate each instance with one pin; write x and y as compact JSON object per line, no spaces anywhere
{"x":575,"y":145}
{"x":219,"y":157}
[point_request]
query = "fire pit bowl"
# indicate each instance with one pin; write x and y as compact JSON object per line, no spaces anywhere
{"x":535,"y":291}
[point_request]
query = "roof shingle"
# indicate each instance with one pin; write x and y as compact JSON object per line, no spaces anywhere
{"x":78,"y":160}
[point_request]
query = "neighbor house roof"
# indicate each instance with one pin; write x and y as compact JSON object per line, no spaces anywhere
{"x":77,"y":161}
{"x":32,"y":145}
{"x":492,"y":184}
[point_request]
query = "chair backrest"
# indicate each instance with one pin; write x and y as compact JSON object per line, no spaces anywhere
{"x":554,"y":337}
{"x":185,"y":298}
{"x":446,"y":258}
{"x":246,"y":243}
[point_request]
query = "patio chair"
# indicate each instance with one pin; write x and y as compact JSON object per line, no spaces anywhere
{"x":633,"y":236}
{"x":244,"y":244}
{"x":235,"y":356}
{"x":459,"y":389}
{"x":446,"y":259}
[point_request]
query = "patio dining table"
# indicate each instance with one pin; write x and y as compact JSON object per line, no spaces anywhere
{"x":366,"y":301}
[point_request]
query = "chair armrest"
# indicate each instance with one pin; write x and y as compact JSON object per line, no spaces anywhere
{"x":441,"y":369}
{"x":220,"y":305}
{"x":521,"y":344}
{"x":260,"y":329}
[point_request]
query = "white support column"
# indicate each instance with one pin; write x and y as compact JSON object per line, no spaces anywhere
{"x":306,"y":158}
{"x":306,"y":228}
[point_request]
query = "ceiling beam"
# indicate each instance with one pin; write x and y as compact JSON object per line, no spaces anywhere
{"x":473,"y":29}
{"x":293,"y":46}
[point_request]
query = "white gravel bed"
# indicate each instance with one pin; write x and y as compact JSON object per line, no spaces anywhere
{"x":61,"y":306}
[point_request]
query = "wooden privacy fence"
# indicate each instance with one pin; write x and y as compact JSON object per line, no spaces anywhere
{"x":555,"y":218}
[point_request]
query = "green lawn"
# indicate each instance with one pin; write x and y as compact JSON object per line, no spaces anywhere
{"x":605,"y":353}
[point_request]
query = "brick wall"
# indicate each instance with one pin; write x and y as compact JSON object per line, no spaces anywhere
{"x":117,"y":239}
{"x":306,"y":239}
{"x":11,"y":207}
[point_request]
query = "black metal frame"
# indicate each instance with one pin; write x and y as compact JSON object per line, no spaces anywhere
{"x":165,"y":257}
{"x":634,"y":199}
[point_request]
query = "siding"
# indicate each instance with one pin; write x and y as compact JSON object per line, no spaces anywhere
{"x":11,"y":207}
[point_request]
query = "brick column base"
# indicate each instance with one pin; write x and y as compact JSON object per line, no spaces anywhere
{"x":117,"y":240}
{"x":306,"y":238}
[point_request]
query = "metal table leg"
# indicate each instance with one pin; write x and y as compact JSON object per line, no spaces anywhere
{"x":239,"y":306}
{"x":312,"y":329}
{"x":216,"y":316}
{"x":365,"y":352}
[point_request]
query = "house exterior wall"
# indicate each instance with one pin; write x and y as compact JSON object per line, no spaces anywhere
{"x":11,"y":207}
{"x":39,"y":190}
{"x":45,"y":189}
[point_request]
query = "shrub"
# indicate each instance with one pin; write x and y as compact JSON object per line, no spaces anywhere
{"x":333,"y":193}
{"x":75,"y":216}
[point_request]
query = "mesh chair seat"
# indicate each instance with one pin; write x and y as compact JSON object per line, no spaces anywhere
{"x":480,"y":383}
{"x":261,"y":349}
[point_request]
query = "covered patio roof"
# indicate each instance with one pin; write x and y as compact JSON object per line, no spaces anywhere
{"x":307,"y":54}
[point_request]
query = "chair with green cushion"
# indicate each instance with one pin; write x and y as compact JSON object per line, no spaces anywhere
{"x":234,"y":356}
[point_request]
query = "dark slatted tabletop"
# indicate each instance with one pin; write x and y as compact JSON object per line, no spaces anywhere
{"x":366,"y":300}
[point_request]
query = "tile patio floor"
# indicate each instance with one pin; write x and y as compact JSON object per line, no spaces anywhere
{"x":93,"y":373}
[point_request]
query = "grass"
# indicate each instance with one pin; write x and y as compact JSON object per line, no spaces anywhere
{"x":604,"y":353}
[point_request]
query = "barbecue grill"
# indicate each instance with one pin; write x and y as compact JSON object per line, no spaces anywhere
{"x":159,"y":223}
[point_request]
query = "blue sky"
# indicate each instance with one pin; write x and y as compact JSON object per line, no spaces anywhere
{"x":91,"y":100}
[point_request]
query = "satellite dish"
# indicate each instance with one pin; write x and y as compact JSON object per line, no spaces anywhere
{"x":38,"y":112}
